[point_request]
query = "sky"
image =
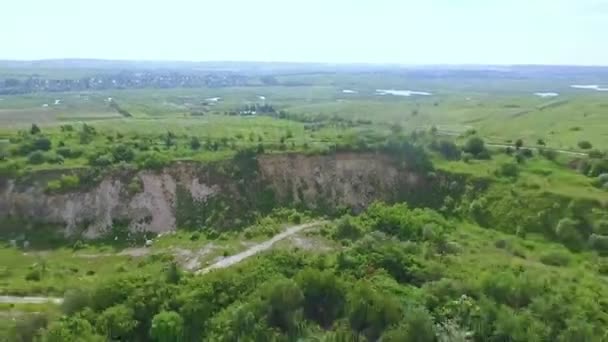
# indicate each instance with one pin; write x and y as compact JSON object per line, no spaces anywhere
{"x":334,"y":31}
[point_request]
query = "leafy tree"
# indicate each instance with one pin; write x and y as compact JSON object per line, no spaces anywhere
{"x":28,"y":327}
{"x":173,"y":273}
{"x":74,"y":329}
{"x":509,"y":170}
{"x":585,"y":145}
{"x":283,"y":300}
{"x":475,"y":146}
{"x":540,"y":142}
{"x":35,"y":129}
{"x":449,"y":150}
{"x":36,"y":157}
{"x":567,"y":231}
{"x":117,"y":322}
{"x":519,"y":143}
{"x":195,"y":143}
{"x":167,"y":326}
{"x":74,"y":301}
{"x":323,"y":296}
{"x":123,"y":152}
{"x":42,"y":144}
{"x":369,"y":312}
{"x":416,"y":327}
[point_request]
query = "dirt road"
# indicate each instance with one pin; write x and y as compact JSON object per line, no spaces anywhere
{"x":223,"y":263}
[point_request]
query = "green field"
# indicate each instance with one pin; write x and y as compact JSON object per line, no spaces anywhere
{"x":513,"y":248}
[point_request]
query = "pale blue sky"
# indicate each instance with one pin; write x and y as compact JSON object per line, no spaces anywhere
{"x":375,"y":31}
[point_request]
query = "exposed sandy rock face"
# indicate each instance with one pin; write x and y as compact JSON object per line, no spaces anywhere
{"x":348,"y":179}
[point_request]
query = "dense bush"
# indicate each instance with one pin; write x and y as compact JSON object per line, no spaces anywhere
{"x":123,"y":152}
{"x":508,"y":170}
{"x":567,"y":231}
{"x":36,"y":157}
{"x":449,"y":150}
{"x":476,"y":147}
{"x":42,"y":144}
{"x":584,"y":144}
{"x":555,"y":259}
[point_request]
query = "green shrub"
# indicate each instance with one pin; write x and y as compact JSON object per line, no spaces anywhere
{"x":509,"y":170}
{"x":135,"y":186}
{"x":34,"y":275}
{"x":584,"y":144}
{"x":153,"y":161}
{"x":449,"y":150}
{"x":601,"y":227}
{"x":53,"y":158}
{"x":53,"y":186}
{"x":597,"y":154}
{"x":555,"y":259}
{"x":68,"y":152}
{"x":475,"y":146}
{"x":35,"y":158}
{"x":101,"y":160}
{"x":123,"y":152}
{"x":42,"y":144}
{"x":599,"y":243}
{"x":568,"y":233}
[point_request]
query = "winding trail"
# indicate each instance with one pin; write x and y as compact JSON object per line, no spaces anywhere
{"x":223,"y":263}
{"x":29,"y":300}
{"x":255,"y":249}
{"x":574,"y":153}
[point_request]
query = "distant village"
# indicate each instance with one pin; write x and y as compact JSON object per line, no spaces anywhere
{"x":121,"y":80}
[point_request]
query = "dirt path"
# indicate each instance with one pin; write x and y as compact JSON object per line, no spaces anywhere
{"x":29,"y":300}
{"x":574,"y":153}
{"x":225,"y":262}
{"x":260,"y":247}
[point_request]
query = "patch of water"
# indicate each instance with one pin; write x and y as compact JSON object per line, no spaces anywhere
{"x":546,"y":94}
{"x":349,"y":91}
{"x":589,"y":87}
{"x":397,"y":92}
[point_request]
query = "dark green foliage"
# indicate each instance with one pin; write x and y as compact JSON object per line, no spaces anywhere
{"x":72,"y":329}
{"x":599,"y":243}
{"x":195,"y":143}
{"x":568,"y":232}
{"x":596,"y":154}
{"x":509,"y":170}
{"x":42,"y":144}
{"x":27,"y":327}
{"x":123,"y":152}
{"x":585,"y":145}
{"x":283,"y":300}
{"x":449,"y":150}
{"x":555,"y":259}
{"x":519,"y":143}
{"x":323,"y":296}
{"x":36,"y":157}
{"x":167,"y":326}
{"x":34,"y":129}
{"x":152,"y":160}
{"x":476,"y":147}
{"x":69,"y":152}
{"x":370,"y":313}
{"x":417,"y":326}
{"x":173,"y":274}
{"x":75,"y":301}
{"x":117,"y":322}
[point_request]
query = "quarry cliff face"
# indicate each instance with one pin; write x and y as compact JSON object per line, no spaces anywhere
{"x":161,"y":199}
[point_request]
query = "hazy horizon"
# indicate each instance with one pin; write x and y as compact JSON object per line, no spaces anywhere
{"x":416,"y":33}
